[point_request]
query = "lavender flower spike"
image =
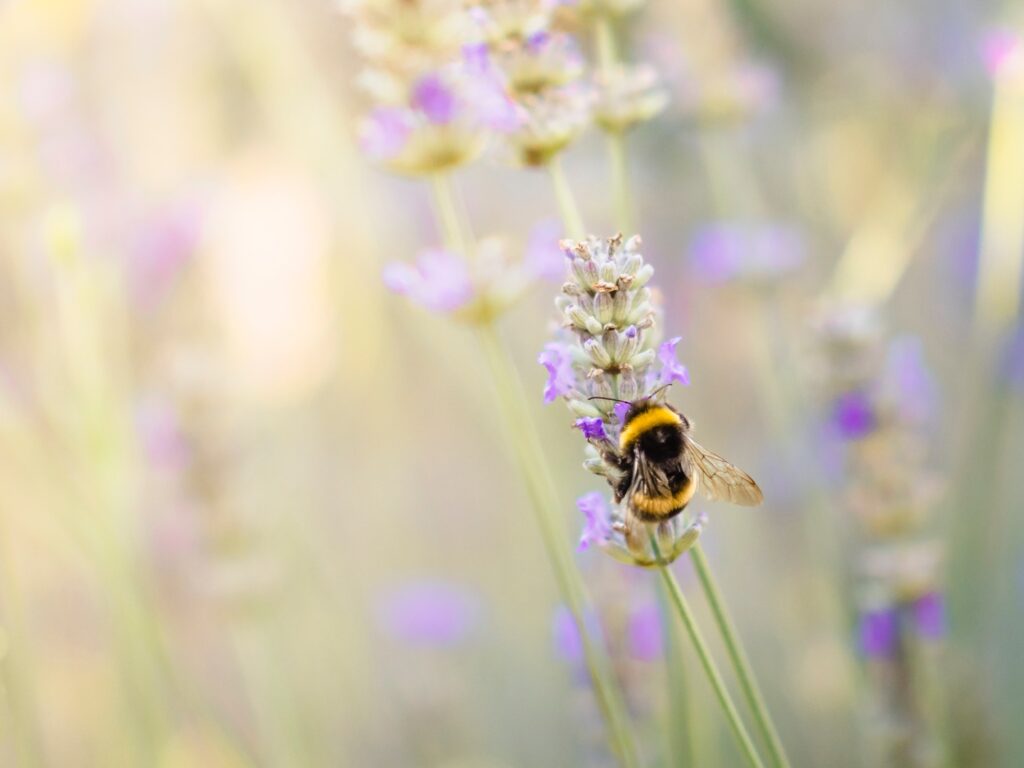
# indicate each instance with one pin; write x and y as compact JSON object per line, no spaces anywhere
{"x":609,"y":347}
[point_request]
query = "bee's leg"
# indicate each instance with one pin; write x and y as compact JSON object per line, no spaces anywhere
{"x":666,"y":535}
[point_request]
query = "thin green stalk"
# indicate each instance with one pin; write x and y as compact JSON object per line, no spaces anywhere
{"x":620,"y":183}
{"x":571,"y":218}
{"x":518,"y":426}
{"x":740,"y":661}
{"x":710,"y":669}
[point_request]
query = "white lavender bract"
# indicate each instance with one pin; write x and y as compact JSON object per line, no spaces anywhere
{"x":609,"y":347}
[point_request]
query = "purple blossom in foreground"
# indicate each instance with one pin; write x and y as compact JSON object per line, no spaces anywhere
{"x":879,"y":633}
{"x":429,"y":614}
{"x":929,"y":613}
{"x":561,"y":380}
{"x":592,"y":429}
{"x":853,"y":415}
{"x":644,"y":633}
{"x":597,"y":528}
{"x":439,"y":280}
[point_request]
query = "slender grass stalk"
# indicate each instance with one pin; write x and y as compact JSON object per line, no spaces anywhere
{"x":710,"y":669}
{"x":521,"y":434}
{"x":608,"y":56}
{"x":566,"y":200}
{"x":740,"y":661}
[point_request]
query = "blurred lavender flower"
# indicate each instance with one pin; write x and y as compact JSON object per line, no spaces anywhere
{"x":432,"y":614}
{"x":566,"y":637}
{"x":756,"y":253}
{"x":626,"y":96}
{"x":853,"y":416}
{"x":878,"y":633}
{"x":609,"y":347}
{"x":729,"y":95}
{"x":160,"y":432}
{"x":644,"y":632}
{"x":439,"y":281}
{"x":1001,"y":48}
{"x":929,"y":613}
{"x":164,"y":245}
{"x":544,"y":259}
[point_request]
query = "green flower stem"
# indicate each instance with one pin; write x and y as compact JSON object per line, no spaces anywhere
{"x":620,"y":183}
{"x":680,"y":745}
{"x":518,"y":426}
{"x":714,"y":676}
{"x":740,"y":662}
{"x":608,"y":57}
{"x":571,"y":218}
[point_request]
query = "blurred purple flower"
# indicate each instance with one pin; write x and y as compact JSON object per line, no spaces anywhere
{"x":621,"y":409}
{"x":561,"y":380}
{"x":439,"y":280}
{"x":435,"y":99}
{"x":725,"y":251}
{"x":592,"y":429}
{"x":163,"y":246}
{"x":878,"y":633}
{"x":566,"y":636}
{"x":1000,"y":47}
{"x":853,"y":415}
{"x":159,"y":429}
{"x":1012,"y":362}
{"x":930,"y":616}
{"x":907,"y":382}
{"x":385,"y":131}
{"x":671,"y":369}
{"x":433,"y":614}
{"x":544,"y":259}
{"x":644,"y":633}
{"x":598,"y":527}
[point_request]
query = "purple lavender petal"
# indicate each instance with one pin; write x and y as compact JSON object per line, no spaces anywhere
{"x":726,"y":250}
{"x":432,"y":96}
{"x":999,"y":48}
{"x":597,"y":528}
{"x":908,"y":381}
{"x":878,"y":633}
{"x":433,"y":614}
{"x":671,"y":369}
{"x":561,"y":379}
{"x":930,"y":616}
{"x":620,"y":410}
{"x":593,"y":429}
{"x":853,"y":415}
{"x":644,"y":633}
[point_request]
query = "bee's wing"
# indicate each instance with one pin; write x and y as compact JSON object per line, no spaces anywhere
{"x":717,"y":478}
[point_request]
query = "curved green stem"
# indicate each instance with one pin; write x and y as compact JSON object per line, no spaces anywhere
{"x":710,"y":669}
{"x":620,"y":183}
{"x":571,"y":218}
{"x":740,"y":662}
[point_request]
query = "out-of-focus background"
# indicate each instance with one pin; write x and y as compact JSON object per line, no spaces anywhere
{"x":257,"y":510}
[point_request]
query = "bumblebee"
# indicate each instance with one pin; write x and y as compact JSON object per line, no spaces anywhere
{"x":661,"y":467}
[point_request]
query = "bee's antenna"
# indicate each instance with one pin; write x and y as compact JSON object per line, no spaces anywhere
{"x":613,"y":399}
{"x":658,"y":391}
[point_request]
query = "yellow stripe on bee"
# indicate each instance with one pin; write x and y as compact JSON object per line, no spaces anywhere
{"x":657,"y":416}
{"x":659,"y":506}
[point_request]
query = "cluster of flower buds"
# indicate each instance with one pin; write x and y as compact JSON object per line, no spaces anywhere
{"x":609,"y":347}
{"x":434,"y":108}
{"x":541,"y":69}
{"x":881,"y":404}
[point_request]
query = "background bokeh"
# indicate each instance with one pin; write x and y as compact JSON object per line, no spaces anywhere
{"x":257,"y":510}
